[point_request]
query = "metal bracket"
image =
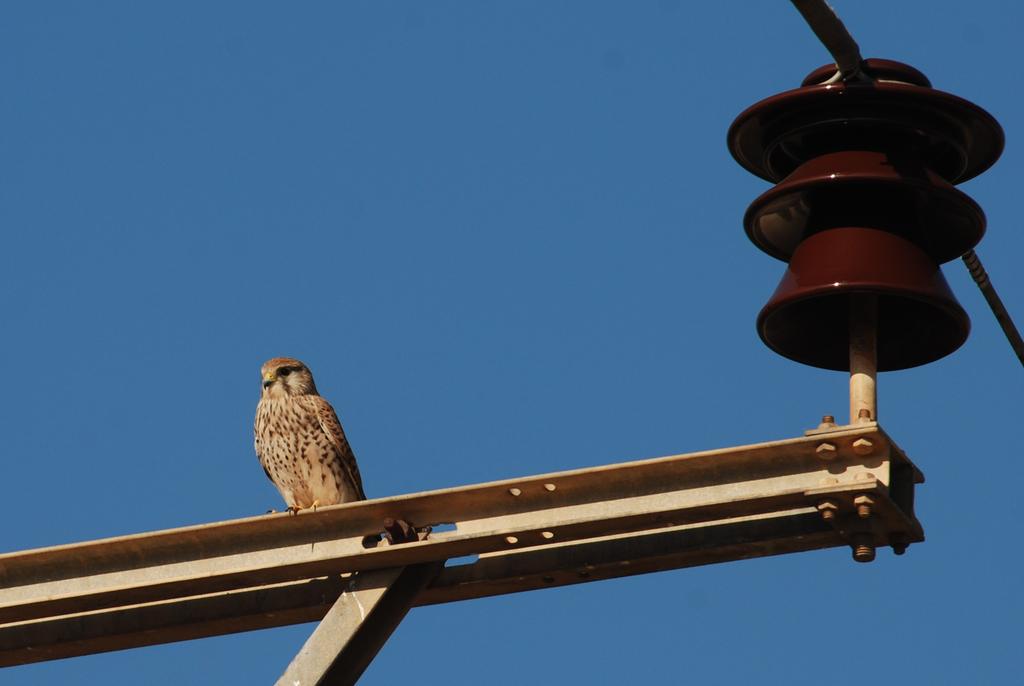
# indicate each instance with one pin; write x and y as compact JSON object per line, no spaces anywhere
{"x":357,"y":626}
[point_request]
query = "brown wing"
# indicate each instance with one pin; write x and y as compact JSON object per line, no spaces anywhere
{"x":256,"y":428}
{"x":336,"y":435}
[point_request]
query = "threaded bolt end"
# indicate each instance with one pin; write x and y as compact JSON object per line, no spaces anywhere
{"x":863,"y":548}
{"x":864,"y":552}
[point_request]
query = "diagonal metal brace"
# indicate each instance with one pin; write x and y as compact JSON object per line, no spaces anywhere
{"x":358,"y":625}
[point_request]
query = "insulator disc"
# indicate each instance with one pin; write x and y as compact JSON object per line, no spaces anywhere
{"x":868,"y":189}
{"x":807,"y":319}
{"x":896,"y":113}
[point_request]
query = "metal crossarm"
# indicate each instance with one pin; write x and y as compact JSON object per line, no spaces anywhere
{"x":848,"y":485}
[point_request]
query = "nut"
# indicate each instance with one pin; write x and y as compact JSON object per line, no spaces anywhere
{"x":828,"y":509}
{"x":899,"y":543}
{"x":863,"y":446}
{"x":863,"y":503}
{"x":827,"y":451}
{"x":827,"y":422}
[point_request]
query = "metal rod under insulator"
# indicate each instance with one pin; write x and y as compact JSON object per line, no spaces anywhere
{"x":863,"y":358}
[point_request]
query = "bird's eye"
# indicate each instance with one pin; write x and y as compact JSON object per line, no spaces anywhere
{"x":284,"y":371}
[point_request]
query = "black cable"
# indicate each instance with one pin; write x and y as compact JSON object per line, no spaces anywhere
{"x":980,"y":277}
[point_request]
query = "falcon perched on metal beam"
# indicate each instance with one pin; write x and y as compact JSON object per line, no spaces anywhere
{"x":300,"y":442}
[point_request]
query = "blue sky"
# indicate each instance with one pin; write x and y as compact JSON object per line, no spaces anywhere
{"x":506,"y":237}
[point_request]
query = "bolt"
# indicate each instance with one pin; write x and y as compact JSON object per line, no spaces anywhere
{"x":515,"y":491}
{"x":864,"y":552}
{"x":828,"y":509}
{"x":899,"y":543}
{"x":863,"y":446}
{"x":549,"y":487}
{"x":863,"y":547}
{"x":827,"y":422}
{"x":863,"y":504}
{"x":511,"y":540}
{"x":826,"y":451}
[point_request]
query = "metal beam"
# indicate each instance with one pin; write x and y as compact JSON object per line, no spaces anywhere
{"x":533,"y":532}
{"x":307,"y":601}
{"x":357,"y":626}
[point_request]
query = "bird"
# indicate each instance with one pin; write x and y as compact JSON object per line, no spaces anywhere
{"x":299,"y":440}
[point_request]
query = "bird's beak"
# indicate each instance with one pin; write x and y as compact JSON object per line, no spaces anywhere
{"x":268,"y":379}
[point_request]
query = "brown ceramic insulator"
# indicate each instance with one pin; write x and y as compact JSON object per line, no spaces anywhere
{"x":898,"y":113}
{"x":875,"y":69}
{"x":892,"y":192}
{"x":807,"y":319}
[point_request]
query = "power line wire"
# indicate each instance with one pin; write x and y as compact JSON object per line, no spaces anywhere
{"x":980,"y":277}
{"x":832,"y":33}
